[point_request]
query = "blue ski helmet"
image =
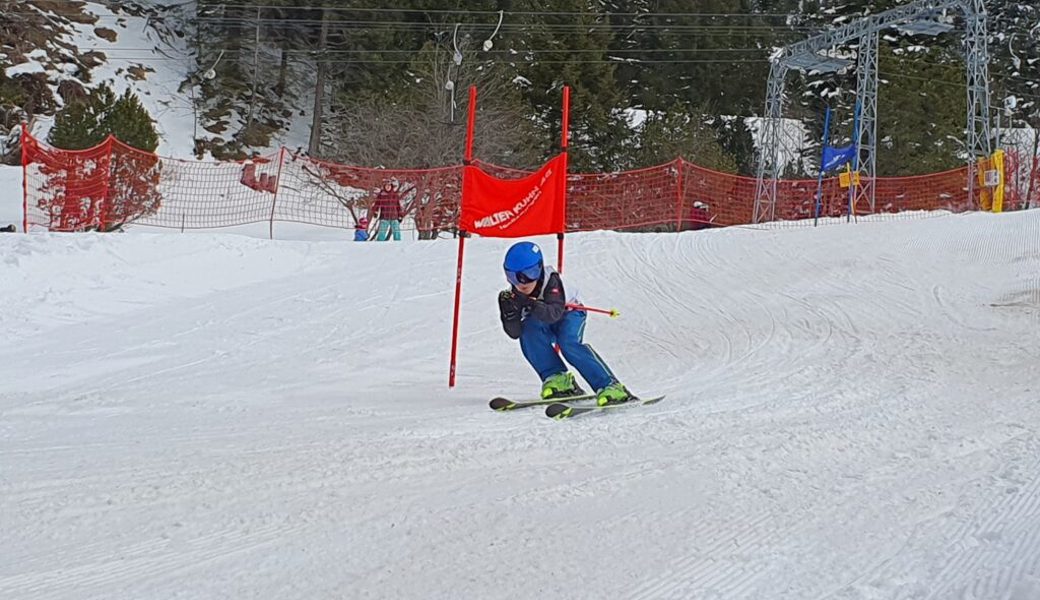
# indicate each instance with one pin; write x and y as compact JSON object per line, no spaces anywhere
{"x":523,"y":263}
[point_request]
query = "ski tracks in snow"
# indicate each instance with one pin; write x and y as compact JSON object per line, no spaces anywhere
{"x":848,"y":416}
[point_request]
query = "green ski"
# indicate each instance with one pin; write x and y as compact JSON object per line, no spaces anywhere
{"x":503,"y":404}
{"x":560,"y":411}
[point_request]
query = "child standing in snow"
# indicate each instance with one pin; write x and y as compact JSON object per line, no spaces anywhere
{"x":534,"y":311}
{"x":388,"y":207}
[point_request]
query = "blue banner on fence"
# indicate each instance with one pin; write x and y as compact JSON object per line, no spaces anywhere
{"x":837,"y":157}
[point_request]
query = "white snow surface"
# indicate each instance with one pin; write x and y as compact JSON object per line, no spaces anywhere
{"x":11,"y":208}
{"x":852,"y":413}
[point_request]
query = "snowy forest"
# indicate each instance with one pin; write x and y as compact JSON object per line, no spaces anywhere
{"x":651,"y":79}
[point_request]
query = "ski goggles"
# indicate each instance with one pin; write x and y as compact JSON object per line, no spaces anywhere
{"x":524,"y":276}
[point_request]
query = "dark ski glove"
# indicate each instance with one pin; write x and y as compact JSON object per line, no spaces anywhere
{"x":522,"y":301}
{"x":507,"y":306}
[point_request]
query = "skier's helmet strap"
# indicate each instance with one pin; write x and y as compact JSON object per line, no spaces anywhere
{"x":523,"y":263}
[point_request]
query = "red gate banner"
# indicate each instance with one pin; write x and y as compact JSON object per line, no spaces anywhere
{"x":533,"y":205}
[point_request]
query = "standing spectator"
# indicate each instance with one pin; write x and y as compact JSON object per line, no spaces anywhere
{"x":388,"y":207}
{"x":361,"y":230}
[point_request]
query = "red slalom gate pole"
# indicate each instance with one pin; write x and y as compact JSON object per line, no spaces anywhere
{"x":471,"y":118}
{"x":468,"y":158}
{"x":565,"y":127}
{"x":458,"y":303}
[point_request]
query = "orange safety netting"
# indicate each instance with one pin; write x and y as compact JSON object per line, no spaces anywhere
{"x":112,"y":184}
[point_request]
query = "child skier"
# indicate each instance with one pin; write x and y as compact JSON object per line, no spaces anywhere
{"x":534,"y":311}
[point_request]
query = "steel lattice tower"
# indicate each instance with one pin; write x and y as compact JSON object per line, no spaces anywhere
{"x":916,"y":17}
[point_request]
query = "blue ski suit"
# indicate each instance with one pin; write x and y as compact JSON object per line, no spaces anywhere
{"x":543,"y":318}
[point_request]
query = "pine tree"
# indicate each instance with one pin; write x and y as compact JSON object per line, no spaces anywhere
{"x":921,"y":114}
{"x":86,"y":123}
{"x":130,"y":123}
{"x":553,"y":50}
{"x":131,"y":189}
{"x":79,"y":125}
{"x":671,"y":133}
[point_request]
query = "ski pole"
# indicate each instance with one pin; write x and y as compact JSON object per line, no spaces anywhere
{"x":613,"y":312}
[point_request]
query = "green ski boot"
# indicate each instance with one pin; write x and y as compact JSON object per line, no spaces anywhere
{"x":614,"y":393}
{"x":560,"y":385}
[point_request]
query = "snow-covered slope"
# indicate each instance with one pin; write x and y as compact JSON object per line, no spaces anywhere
{"x":11,"y":211}
{"x":131,"y":52}
{"x":852,"y":413}
{"x":138,"y":47}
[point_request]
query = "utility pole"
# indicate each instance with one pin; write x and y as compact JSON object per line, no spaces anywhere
{"x":314,"y":147}
{"x":256,"y":71}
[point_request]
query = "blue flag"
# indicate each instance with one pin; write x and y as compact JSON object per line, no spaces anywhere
{"x":837,"y":157}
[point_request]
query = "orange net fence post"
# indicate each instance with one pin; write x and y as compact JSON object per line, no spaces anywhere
{"x":718,"y":198}
{"x":64,"y":189}
{"x":1021,"y":169}
{"x":203,"y":195}
{"x":898,"y":197}
{"x":640,"y":200}
{"x":946,"y":191}
{"x":134,"y":191}
{"x":112,"y":185}
{"x":334,"y":195}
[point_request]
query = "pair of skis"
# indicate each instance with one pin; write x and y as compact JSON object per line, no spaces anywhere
{"x":560,"y":408}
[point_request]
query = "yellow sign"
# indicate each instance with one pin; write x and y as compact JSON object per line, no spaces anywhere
{"x":991,"y":179}
{"x":998,"y":191}
{"x":843,"y":178}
